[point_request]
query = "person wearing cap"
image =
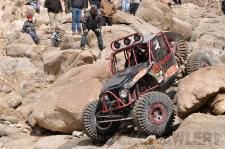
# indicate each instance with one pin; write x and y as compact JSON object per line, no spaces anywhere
{"x":108,"y":9}
{"x":54,"y":12}
{"x":92,"y":21}
{"x":28,"y":27}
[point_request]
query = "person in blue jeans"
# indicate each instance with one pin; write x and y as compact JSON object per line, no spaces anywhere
{"x":126,"y":5}
{"x":76,"y":6}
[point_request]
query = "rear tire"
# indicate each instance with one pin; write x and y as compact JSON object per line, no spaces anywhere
{"x":182,"y":48}
{"x":154,"y":114}
{"x":92,"y":128}
{"x":181,"y":52}
{"x":197,"y":61}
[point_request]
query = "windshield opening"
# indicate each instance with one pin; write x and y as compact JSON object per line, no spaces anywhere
{"x":130,"y":57}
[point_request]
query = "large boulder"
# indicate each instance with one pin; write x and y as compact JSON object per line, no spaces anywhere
{"x":13,"y":72}
{"x":139,"y":25}
{"x":57,"y":62}
{"x":210,"y":34}
{"x":198,"y":131}
{"x":199,"y":89}
{"x":20,"y":50}
{"x":182,"y":27}
{"x":61,"y":106}
{"x":156,"y":13}
{"x":189,"y":12}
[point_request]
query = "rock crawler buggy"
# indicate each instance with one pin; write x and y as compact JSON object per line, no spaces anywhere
{"x":142,"y":67}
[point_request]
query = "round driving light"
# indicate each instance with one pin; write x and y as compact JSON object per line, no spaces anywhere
{"x":137,"y":37}
{"x":117,"y":45}
{"x":127,"y":41}
{"x":123,"y":93}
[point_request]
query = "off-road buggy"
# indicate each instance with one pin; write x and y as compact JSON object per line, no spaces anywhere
{"x":142,"y":67}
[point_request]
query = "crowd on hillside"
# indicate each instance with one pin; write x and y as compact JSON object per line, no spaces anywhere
{"x":86,"y":15}
{"x":96,"y":13}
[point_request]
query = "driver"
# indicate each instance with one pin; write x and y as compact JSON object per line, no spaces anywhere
{"x":141,"y":55}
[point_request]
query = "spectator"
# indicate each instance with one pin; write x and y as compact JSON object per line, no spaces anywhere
{"x":134,"y":6}
{"x":177,"y":2}
{"x":223,"y":6}
{"x":34,"y":4}
{"x":126,"y":5}
{"x":28,"y":27}
{"x":92,"y":21}
{"x":54,"y":12}
{"x":108,"y":8}
{"x":77,"y":6}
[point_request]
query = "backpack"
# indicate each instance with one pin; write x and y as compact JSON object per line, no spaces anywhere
{"x":56,"y":38}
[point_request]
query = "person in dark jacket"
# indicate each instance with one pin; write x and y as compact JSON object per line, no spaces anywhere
{"x":92,"y":21}
{"x":54,"y":12}
{"x":77,"y":6}
{"x":28,"y":27}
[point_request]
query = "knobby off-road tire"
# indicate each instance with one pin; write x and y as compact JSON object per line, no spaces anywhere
{"x":91,"y":128}
{"x":181,"y":52}
{"x":197,"y":61}
{"x":144,"y":114}
{"x":182,"y":48}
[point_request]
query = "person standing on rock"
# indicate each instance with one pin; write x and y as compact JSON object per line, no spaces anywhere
{"x":54,"y":12}
{"x":77,"y":6}
{"x":92,"y":21}
{"x":108,"y":9}
{"x":126,"y":5}
{"x":134,"y":6}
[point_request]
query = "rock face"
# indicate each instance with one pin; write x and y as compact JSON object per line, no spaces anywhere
{"x":57,"y":62}
{"x":213,"y":37}
{"x":190,"y":13}
{"x":200,"y":88}
{"x":139,"y":25}
{"x":61,"y":106}
{"x":156,"y":13}
{"x":19,"y":50}
{"x":198,"y":131}
{"x":182,"y":27}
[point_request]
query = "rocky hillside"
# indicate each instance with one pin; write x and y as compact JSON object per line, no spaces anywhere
{"x":43,"y":89}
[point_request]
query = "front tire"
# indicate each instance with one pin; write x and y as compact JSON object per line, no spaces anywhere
{"x":154,"y":114}
{"x":91,"y":127}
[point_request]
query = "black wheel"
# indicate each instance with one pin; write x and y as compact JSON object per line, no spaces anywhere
{"x":181,"y":52}
{"x":96,"y":131}
{"x":154,"y":114}
{"x":197,"y":61}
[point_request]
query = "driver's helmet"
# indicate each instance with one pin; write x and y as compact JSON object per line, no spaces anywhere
{"x":56,"y":38}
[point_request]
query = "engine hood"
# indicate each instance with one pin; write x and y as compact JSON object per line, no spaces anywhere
{"x":122,"y":77}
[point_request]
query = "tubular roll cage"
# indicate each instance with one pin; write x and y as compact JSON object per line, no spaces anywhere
{"x":120,"y":104}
